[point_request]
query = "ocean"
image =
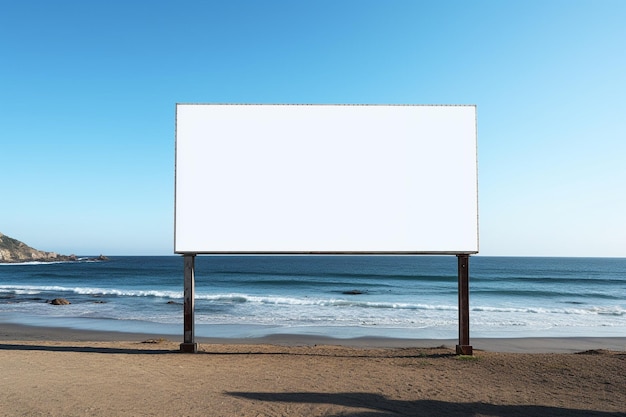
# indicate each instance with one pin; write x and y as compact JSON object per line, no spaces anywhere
{"x":411,"y":297}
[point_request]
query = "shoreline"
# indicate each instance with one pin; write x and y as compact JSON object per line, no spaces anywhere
{"x":19,"y":332}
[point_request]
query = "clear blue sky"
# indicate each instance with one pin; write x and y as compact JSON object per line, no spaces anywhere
{"x":88,"y":92}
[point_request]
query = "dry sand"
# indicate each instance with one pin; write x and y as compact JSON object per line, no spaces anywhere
{"x":53,"y":372}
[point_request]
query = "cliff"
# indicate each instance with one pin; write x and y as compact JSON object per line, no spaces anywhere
{"x":12,"y":250}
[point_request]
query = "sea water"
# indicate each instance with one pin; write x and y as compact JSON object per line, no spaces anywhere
{"x":337,"y":296}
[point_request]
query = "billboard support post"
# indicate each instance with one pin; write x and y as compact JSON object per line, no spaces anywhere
{"x":464,"y":347}
{"x":189,"y":344}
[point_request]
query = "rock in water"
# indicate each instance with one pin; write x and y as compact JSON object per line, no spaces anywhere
{"x":59,"y":302}
{"x":353,"y":292}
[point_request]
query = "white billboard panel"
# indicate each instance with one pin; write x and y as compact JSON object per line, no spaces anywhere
{"x":325,"y":179}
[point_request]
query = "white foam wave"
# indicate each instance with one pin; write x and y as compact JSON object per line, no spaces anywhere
{"x":128,"y":293}
{"x":23,"y":289}
{"x":606,"y":310}
{"x":323,"y":302}
{"x":262,"y":300}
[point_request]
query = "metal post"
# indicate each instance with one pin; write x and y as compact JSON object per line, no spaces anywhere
{"x":189,"y":345}
{"x":464,"y":347}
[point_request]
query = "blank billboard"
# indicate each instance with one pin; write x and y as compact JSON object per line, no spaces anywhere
{"x":325,"y":179}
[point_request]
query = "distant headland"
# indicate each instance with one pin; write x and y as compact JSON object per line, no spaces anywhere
{"x":14,"y":251}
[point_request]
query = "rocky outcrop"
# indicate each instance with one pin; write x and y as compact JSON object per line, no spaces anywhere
{"x":13,"y":251}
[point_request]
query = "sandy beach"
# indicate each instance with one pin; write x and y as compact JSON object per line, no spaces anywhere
{"x":60,"y":372}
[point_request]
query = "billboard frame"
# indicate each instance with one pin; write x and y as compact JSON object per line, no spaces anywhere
{"x":413,"y":217}
{"x":463,"y":256}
